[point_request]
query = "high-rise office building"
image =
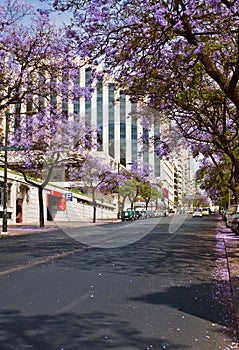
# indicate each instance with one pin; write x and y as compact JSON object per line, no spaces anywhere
{"x":124,"y":135}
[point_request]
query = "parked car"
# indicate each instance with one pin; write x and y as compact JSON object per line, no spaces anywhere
{"x":235,"y":224}
{"x":139,"y":214}
{"x":223,"y":213}
{"x":128,"y":215}
{"x":189,"y":211}
{"x":162,"y":212}
{"x":143,"y":214}
{"x":150,"y":213}
{"x":231,"y":211}
{"x":197,"y":212}
{"x":205,"y":212}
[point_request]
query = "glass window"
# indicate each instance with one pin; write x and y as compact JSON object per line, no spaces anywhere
{"x":111,"y":101}
{"x":100,"y":114}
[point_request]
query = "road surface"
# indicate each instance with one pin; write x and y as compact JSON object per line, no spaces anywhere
{"x":150,"y":284}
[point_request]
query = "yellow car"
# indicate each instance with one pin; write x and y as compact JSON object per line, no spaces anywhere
{"x":205,"y":212}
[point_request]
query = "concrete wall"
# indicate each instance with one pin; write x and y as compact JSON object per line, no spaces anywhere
{"x":78,"y":209}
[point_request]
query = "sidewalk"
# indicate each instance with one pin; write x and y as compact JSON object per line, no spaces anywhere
{"x":232,"y":254}
{"x":19,"y":229}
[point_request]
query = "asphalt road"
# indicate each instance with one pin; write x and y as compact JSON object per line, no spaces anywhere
{"x":150,"y":284}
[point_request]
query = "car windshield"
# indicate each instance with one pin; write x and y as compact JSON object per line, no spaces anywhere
{"x":233,"y":209}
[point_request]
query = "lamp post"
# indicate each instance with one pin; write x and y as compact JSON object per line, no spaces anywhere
{"x":167,"y":188}
{"x":5,"y":187}
{"x":118,"y":170}
{"x":118,"y":214}
{"x":229,"y":197}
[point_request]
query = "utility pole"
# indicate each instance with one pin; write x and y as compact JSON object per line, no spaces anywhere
{"x":118,"y":215}
{"x":5,"y":186}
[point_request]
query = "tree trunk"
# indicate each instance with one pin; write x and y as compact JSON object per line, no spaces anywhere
{"x":40,"y":193}
{"x":41,"y":207}
{"x":122,"y":205}
{"x":94,"y":206}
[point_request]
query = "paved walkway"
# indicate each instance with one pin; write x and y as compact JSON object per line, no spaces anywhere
{"x":19,"y":229}
{"x":232,"y":252}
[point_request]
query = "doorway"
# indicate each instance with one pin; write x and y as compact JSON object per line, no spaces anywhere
{"x":19,"y":210}
{"x":52,"y":207}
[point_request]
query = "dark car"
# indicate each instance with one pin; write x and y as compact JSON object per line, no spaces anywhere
{"x":235,"y":224}
{"x":231,"y":212}
{"x":128,"y":215}
{"x":138,"y":214}
{"x":223,"y":213}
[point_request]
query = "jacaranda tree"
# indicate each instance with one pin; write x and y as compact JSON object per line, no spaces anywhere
{"x":214,"y":179}
{"x":37,"y":68}
{"x":97,"y":176}
{"x":180,"y":56}
{"x":135,"y":182}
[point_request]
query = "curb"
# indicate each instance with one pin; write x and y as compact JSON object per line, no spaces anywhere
{"x":17,"y":230}
{"x":232,"y":254}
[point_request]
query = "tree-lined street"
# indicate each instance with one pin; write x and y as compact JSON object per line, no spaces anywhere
{"x":179,"y":58}
{"x":107,"y":110}
{"x":169,"y":289}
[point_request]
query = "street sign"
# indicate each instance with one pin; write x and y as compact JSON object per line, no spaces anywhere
{"x":68,"y":197}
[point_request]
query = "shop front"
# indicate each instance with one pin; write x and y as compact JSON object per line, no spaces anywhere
{"x":56,"y":202}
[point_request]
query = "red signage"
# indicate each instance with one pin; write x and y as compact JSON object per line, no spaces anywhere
{"x":56,"y":194}
{"x":165,"y":193}
{"x":61,"y":204}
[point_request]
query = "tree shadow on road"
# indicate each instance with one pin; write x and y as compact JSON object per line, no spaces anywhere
{"x":157,"y":253}
{"x":16,"y":251}
{"x":196,"y":300}
{"x":68,"y":331}
{"x":187,"y":259}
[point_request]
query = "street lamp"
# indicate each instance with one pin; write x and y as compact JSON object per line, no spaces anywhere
{"x":167,"y":189}
{"x":118,"y":170}
{"x":118,"y":214}
{"x":5,"y":187}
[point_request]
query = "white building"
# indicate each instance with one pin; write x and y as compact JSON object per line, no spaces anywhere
{"x":59,"y":204}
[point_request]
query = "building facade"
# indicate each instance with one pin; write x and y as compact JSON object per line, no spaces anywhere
{"x":124,"y":136}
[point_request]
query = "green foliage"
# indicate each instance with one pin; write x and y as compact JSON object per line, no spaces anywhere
{"x":75,"y":190}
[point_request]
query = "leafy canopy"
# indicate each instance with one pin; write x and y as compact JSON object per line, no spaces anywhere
{"x":181,"y":55}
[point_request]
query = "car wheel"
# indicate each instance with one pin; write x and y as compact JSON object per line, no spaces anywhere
{"x":237,"y":230}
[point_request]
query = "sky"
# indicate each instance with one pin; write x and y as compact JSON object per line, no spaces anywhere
{"x":56,"y":17}
{"x":35,"y":3}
